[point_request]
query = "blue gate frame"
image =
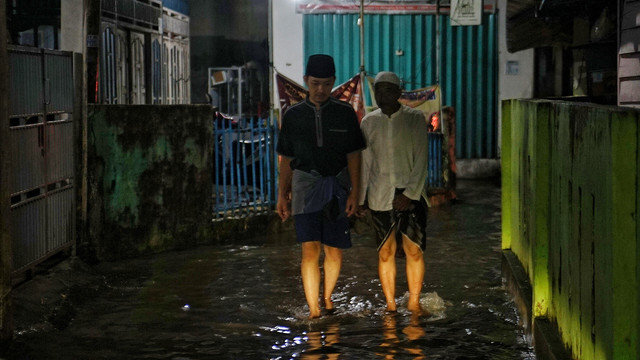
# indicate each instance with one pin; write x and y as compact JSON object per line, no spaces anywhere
{"x":245,"y":166}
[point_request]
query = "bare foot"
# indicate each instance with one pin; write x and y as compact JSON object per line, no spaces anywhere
{"x":314,"y":314}
{"x":328,"y":305}
{"x":391,"y":307}
{"x":413,"y":305}
{"x":417,"y":310}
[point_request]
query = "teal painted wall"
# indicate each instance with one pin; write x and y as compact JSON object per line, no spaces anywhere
{"x":570,"y":197}
{"x":150,"y":179}
{"x":467,"y":71}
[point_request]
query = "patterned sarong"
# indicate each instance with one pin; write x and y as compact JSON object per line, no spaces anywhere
{"x":412,"y":223}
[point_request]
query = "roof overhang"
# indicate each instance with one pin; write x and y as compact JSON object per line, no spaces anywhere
{"x":540,"y":23}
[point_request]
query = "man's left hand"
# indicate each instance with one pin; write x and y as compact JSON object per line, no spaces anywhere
{"x":401,"y":202}
{"x":352,"y":204}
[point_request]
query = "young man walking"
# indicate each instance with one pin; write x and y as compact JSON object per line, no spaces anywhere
{"x":320,"y":143}
{"x":394,"y":170}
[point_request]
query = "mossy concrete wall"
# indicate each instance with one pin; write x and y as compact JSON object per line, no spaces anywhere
{"x":570,"y":205}
{"x":149,"y":179}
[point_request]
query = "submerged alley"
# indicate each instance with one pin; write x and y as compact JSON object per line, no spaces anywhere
{"x":244,"y":300}
{"x":139,"y":178}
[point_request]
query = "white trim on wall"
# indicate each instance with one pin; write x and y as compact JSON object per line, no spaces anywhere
{"x":287,"y":43}
{"x":515,"y":70}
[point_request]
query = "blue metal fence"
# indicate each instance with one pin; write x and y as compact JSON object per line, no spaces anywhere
{"x":435,"y":178}
{"x":246,"y":171}
{"x":245,"y":165}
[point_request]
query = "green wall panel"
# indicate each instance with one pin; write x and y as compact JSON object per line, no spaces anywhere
{"x":571,"y":201}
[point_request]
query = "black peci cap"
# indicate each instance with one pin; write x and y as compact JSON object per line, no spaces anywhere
{"x":320,"y":66}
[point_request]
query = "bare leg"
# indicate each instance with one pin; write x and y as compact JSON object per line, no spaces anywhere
{"x":387,"y":271}
{"x":310,"y":270}
{"x":415,"y":273}
{"x":332,"y":265}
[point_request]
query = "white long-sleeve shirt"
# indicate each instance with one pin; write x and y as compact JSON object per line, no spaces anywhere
{"x":396,"y":156}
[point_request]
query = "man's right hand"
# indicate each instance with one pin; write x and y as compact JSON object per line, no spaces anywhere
{"x":362,"y":210}
{"x":283,"y":207}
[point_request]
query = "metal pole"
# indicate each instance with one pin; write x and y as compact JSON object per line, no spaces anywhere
{"x":240,"y":70}
{"x":362,"y":69}
{"x":361,"y":24}
{"x":438,"y":41}
{"x":93,"y":50}
{"x":272,"y":182}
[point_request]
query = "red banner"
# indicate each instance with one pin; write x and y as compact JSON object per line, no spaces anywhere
{"x":291,"y":93}
{"x":381,"y":6}
{"x":351,"y":92}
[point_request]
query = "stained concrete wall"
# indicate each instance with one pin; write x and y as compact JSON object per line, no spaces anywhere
{"x":72,"y":27}
{"x":570,"y":206}
{"x":515,"y":70}
{"x":149,"y":179}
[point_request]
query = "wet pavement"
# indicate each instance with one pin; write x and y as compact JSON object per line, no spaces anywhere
{"x":245,"y":301}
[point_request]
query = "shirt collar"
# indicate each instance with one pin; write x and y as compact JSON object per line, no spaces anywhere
{"x":395,"y":114}
{"x":309,"y":103}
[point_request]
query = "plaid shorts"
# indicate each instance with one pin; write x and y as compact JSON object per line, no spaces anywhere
{"x":412,"y":223}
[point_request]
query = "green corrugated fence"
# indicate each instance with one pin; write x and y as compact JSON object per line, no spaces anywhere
{"x":411,"y":45}
{"x":570,"y":206}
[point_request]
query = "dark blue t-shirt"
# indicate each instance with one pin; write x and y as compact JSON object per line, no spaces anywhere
{"x":320,"y":139}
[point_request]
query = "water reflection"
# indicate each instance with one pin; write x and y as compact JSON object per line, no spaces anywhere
{"x":320,"y":344}
{"x":395,"y":343}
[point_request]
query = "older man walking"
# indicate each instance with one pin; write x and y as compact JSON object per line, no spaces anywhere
{"x":394,"y":169}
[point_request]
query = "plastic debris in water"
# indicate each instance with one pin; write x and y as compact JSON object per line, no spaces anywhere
{"x":186,"y":307}
{"x":434,"y":304}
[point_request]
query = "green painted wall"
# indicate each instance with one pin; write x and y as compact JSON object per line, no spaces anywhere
{"x":570,"y":204}
{"x":149,"y":175}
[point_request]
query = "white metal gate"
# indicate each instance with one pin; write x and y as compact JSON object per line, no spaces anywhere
{"x":41,"y":139}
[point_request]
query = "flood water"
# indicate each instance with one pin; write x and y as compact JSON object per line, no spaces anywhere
{"x":245,"y":301}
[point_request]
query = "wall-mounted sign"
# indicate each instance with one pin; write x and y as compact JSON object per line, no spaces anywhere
{"x":466,"y":12}
{"x":92,"y":41}
{"x":512,"y":68}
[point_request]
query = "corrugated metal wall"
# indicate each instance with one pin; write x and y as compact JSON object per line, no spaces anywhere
{"x":410,"y":46}
{"x":629,"y":55}
{"x":41,"y":140}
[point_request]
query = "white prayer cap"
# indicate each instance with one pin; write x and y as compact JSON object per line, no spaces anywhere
{"x":387,"y":76}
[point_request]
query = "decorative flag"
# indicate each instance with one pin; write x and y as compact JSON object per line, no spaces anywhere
{"x":291,"y":93}
{"x":426,"y":99}
{"x":351,"y":92}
